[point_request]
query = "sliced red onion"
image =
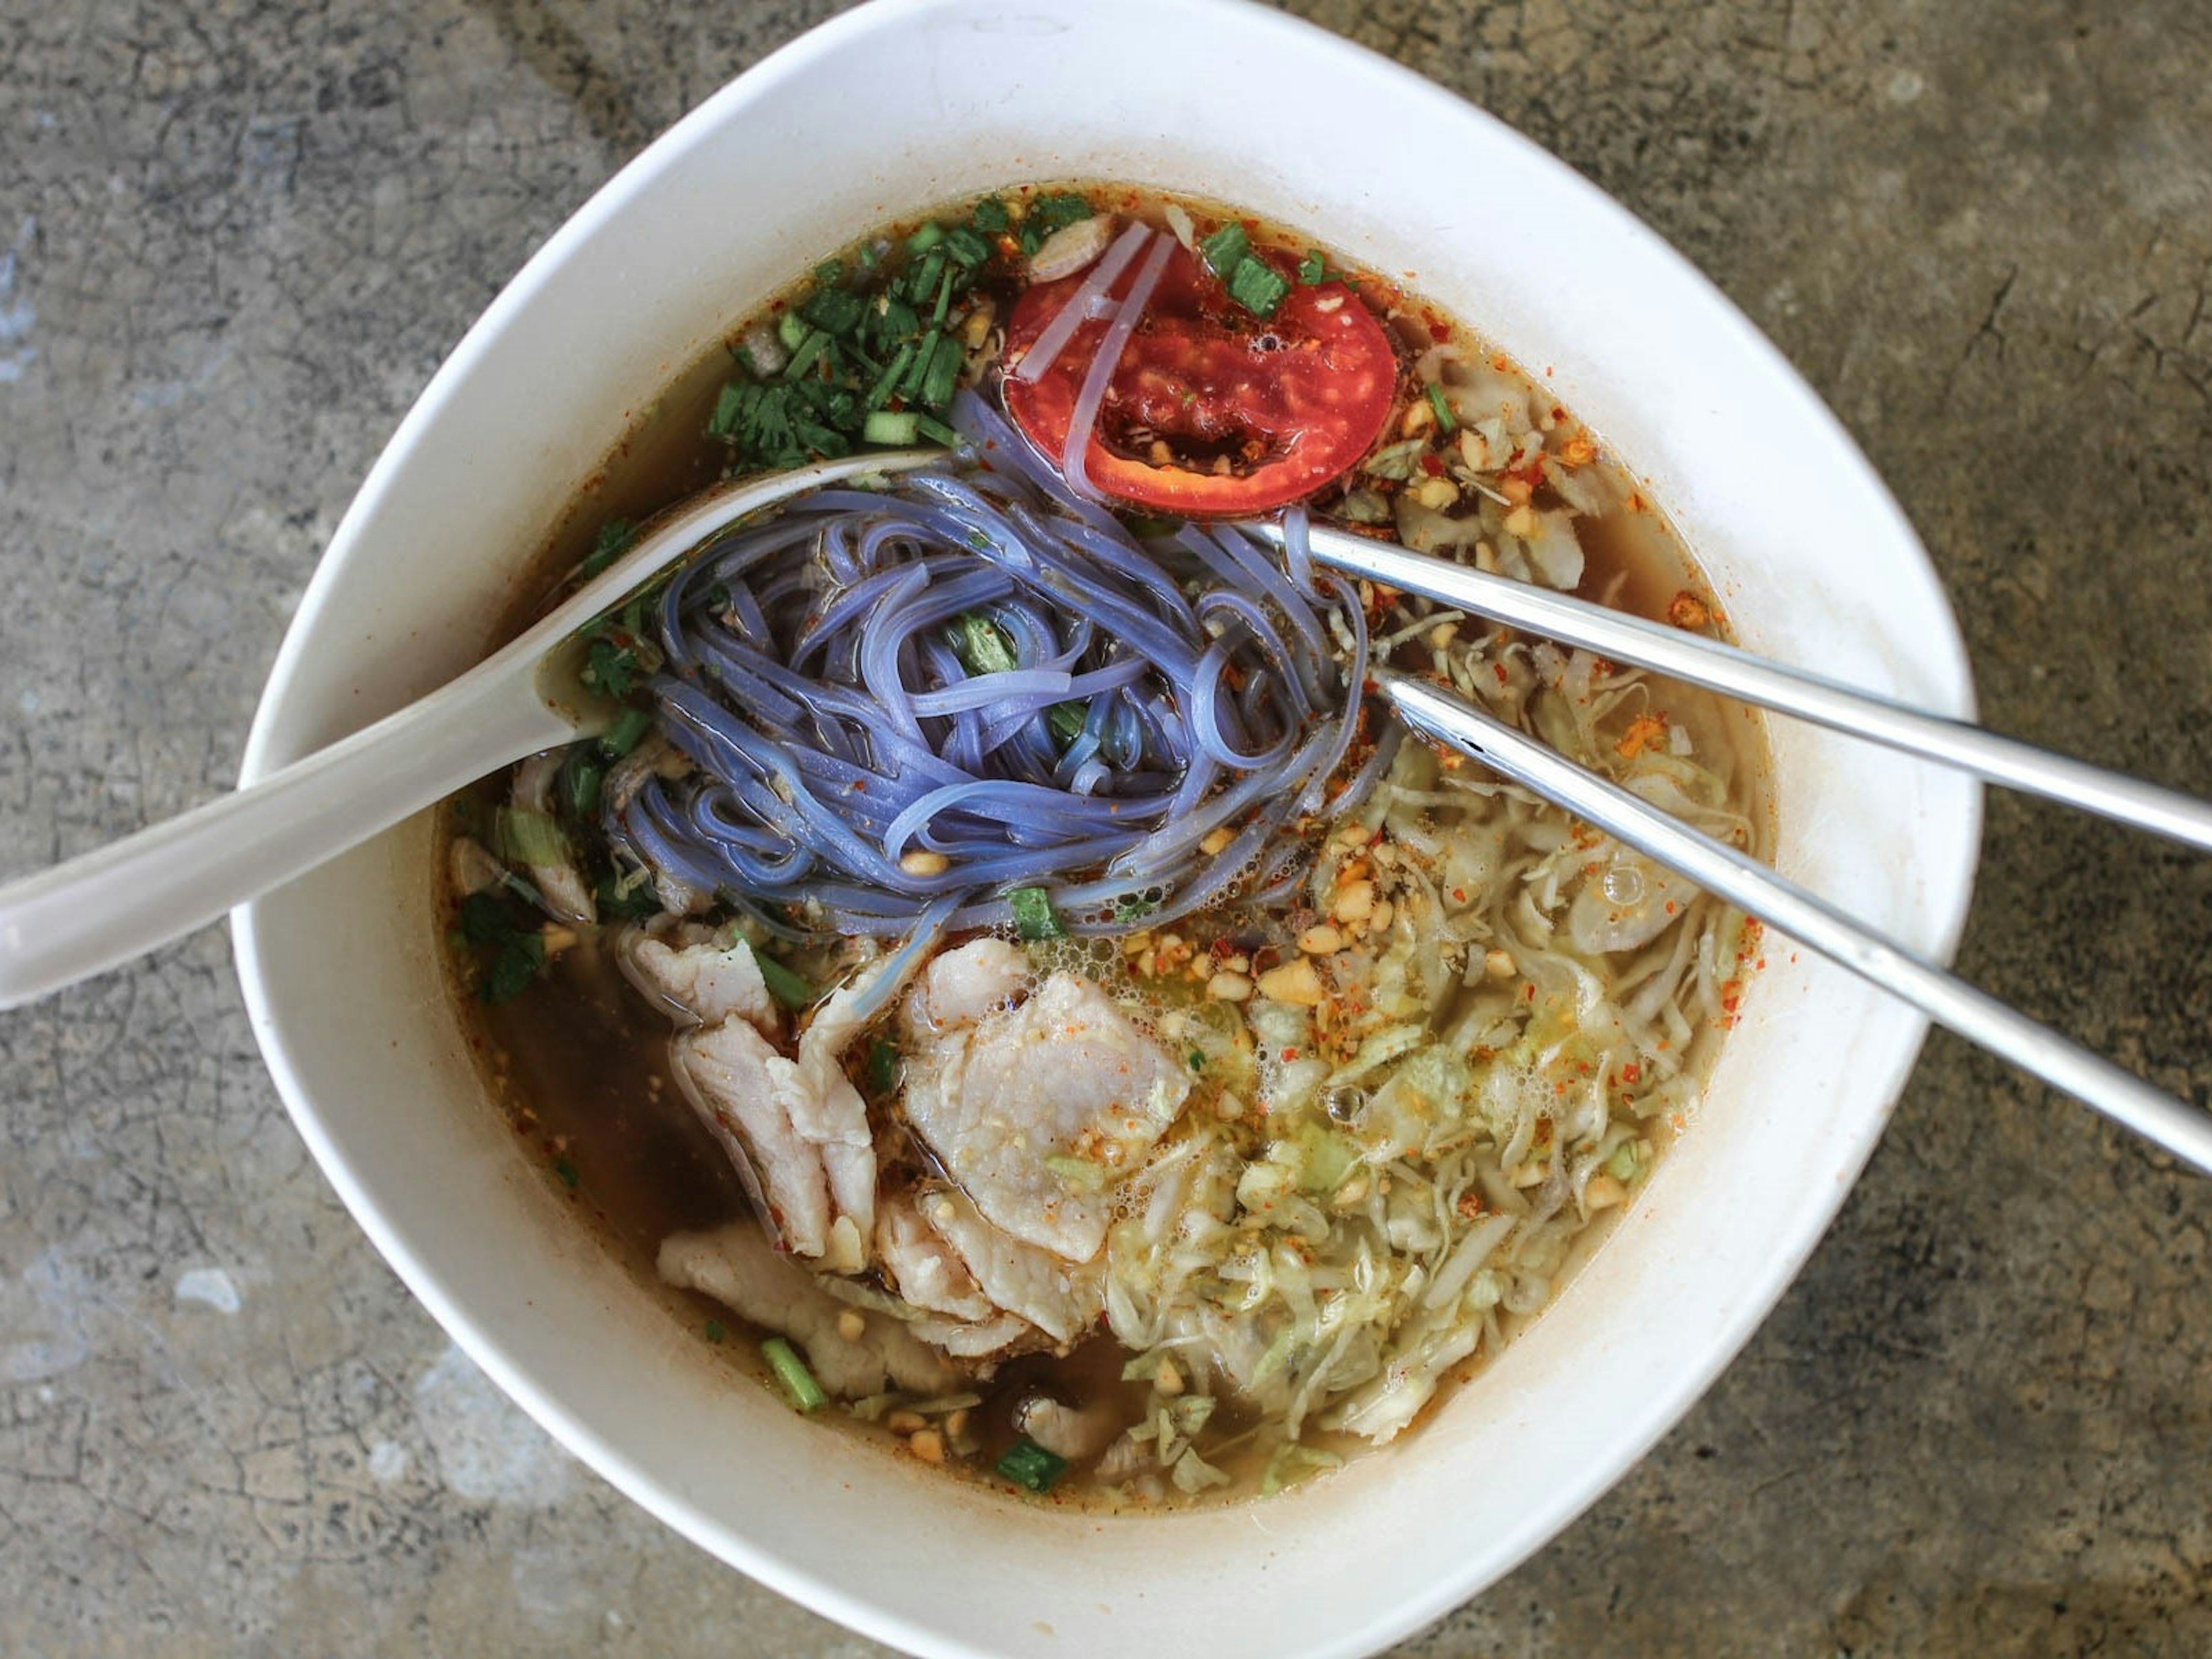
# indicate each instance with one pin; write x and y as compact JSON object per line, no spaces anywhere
{"x":1072,"y":459}
{"x":1088,"y":300}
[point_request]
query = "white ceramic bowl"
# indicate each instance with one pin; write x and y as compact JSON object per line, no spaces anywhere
{"x":905,"y":104}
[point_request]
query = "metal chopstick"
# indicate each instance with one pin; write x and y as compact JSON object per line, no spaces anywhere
{"x":1723,"y":871}
{"x":1700,"y":661}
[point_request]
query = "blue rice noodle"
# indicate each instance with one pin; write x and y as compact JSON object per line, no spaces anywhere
{"x":812,"y":678}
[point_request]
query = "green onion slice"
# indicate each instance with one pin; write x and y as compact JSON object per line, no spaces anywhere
{"x":1034,"y":917}
{"x":1030,"y":1466}
{"x":791,"y":1371}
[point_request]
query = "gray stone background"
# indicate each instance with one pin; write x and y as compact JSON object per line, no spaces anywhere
{"x":236,"y":236}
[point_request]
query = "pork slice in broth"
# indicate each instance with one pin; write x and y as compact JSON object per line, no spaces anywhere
{"x":725,"y":1071}
{"x":1036,"y":1112}
{"x":1061,"y":1299}
{"x":741,"y":1270}
{"x":687,"y":973}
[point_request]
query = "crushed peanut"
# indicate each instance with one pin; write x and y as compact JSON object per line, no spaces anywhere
{"x":1320,"y":940}
{"x":905,"y":1422}
{"x":1602,"y":1193}
{"x":1295,"y":981}
{"x":1227,"y":987}
{"x":922,"y":862}
{"x":1217,"y":842}
{"x":852,"y":1325}
{"x":928,"y":1445}
{"x":1355,"y":902}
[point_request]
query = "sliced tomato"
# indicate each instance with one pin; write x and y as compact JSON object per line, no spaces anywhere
{"x":1253,"y":413}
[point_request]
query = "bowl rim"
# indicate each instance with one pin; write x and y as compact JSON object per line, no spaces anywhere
{"x":1949,"y":887}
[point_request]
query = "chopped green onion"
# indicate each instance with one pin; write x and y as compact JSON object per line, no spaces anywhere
{"x":921,"y":282}
{"x":581,"y":779}
{"x":567,"y":1171}
{"x":981,"y":648}
{"x":1313,"y":268}
{"x":791,"y":329}
{"x":1226,"y":249}
{"x":1034,"y":918}
{"x":966,"y":247}
{"x":714,"y":1330}
{"x":791,"y":1371}
{"x":880,"y":393}
{"x":786,"y":986}
{"x":615,"y":538}
{"x":1626,"y":1162}
{"x":830,"y":271}
{"x":608,"y":667}
{"x":1258,"y":286}
{"x":1446,"y":422}
{"x":628,"y":730}
{"x":1050,"y":213}
{"x":944,"y":300}
{"x":990,"y":216}
{"x":526,"y":837}
{"x":925,"y":356}
{"x":1197,"y":1061}
{"x":804,"y":355}
{"x":1067,"y":720}
{"x":937,"y":388}
{"x":883,"y":1067}
{"x":1030,"y":1466}
{"x":882,"y":426}
{"x":927,"y":237}
{"x":936,"y":431}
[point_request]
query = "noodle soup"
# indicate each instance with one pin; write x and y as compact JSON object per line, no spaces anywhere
{"x":1000,"y":975}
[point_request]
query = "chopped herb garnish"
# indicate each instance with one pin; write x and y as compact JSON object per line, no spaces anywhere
{"x":1034,"y":917}
{"x":834,"y":310}
{"x":936,"y":431}
{"x":990,"y":216}
{"x":714,"y":1330}
{"x":981,"y":648}
{"x":610,"y":668}
{"x":1049,"y":214}
{"x":583,"y":777}
{"x":567,"y":1171}
{"x":615,"y":538}
{"x":483,"y":918}
{"x":1226,"y":249}
{"x":1258,"y":286}
{"x":1313,"y":268}
{"x":519,"y":960}
{"x":1130,"y":909}
{"x":790,"y":328}
{"x":1030,"y":1466}
{"x":635,"y":905}
{"x":925,"y":238}
{"x":1197,"y":1061}
{"x":791,"y":1371}
{"x":628,"y":730}
{"x":1446,"y":424}
{"x":809,"y":350}
{"x":966,"y":247}
{"x":786,"y":986}
{"x":883,"y":1067}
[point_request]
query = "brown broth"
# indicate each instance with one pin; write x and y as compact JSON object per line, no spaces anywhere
{"x":580,"y":1062}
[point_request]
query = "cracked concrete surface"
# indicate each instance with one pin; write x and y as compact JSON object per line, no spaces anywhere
{"x":236,"y":237}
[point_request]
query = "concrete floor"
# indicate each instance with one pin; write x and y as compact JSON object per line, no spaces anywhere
{"x":236,"y":239}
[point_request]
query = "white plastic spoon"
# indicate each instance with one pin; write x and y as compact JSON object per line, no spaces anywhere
{"x":102,"y":909}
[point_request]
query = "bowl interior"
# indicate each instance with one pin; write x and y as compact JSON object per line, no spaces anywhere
{"x":905,"y":104}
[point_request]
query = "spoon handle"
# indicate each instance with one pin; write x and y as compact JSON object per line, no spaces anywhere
{"x":1750,"y":886}
{"x":101,"y":909}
